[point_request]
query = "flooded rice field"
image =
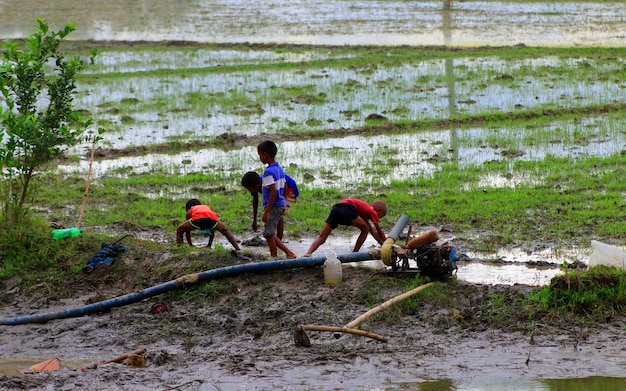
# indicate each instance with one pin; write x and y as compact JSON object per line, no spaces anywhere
{"x":140,"y":109}
{"x":338,"y":22}
{"x":146,"y":97}
{"x":411,"y":156}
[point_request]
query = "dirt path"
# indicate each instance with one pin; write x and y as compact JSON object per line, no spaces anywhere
{"x":244,"y":339}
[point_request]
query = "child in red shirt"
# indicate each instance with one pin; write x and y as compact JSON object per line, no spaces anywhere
{"x":357,"y":213}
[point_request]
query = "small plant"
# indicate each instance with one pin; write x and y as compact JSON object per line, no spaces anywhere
{"x":38,"y":86}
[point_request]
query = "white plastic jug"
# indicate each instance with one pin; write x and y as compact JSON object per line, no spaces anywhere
{"x":332,"y":269}
{"x":605,"y":254}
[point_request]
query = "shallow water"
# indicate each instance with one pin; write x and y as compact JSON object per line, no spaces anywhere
{"x":597,"y":383}
{"x":338,"y":22}
{"x":412,"y":156}
{"x":514,"y":266}
{"x":139,"y":110}
{"x":17,"y":366}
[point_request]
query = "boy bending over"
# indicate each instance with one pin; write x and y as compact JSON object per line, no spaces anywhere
{"x":357,"y":213}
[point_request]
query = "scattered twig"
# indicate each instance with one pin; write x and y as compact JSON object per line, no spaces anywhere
{"x":300,"y":329}
{"x":184,"y":384}
{"x":82,"y":209}
{"x":124,"y":356}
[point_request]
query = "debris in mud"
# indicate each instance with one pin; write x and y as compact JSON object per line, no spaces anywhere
{"x":158,"y":358}
{"x":158,"y":308}
{"x":123,"y":357}
{"x":256,"y":241}
{"x":105,"y":256}
{"x":135,"y":360}
{"x":53,"y":364}
{"x":90,"y":366}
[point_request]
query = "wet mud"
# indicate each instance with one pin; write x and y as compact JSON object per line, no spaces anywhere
{"x":243,"y":339}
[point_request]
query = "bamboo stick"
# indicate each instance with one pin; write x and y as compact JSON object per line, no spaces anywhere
{"x":124,"y":356}
{"x":348,"y":330}
{"x":82,"y":208}
{"x":384,"y":305}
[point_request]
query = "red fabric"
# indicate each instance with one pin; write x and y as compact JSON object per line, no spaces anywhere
{"x":289,"y":192}
{"x":365,"y":210}
{"x":202,"y":212}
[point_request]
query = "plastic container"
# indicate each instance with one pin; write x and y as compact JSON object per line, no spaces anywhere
{"x":332,"y":269}
{"x":605,"y":254}
{"x":66,"y":233}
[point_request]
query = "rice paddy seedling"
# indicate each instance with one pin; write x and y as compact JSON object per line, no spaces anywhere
{"x":503,"y":140}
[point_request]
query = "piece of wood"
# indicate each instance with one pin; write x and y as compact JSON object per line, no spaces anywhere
{"x":387,"y":304}
{"x":348,"y":330}
{"x":384,"y":305}
{"x":124,"y":356}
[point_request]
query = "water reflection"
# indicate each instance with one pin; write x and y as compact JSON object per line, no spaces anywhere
{"x":595,"y":383}
{"x":481,"y":273}
{"x":148,"y":109}
{"x":336,"y":22}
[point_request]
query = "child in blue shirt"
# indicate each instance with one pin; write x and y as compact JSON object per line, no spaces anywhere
{"x":272,"y":192}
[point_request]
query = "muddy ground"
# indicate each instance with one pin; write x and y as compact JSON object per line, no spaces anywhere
{"x":242,"y":338}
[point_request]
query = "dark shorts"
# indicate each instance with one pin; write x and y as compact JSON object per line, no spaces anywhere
{"x":272,"y":223}
{"x":204,"y":223}
{"x":341,"y":214}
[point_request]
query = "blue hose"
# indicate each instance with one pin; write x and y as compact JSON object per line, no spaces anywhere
{"x":229,"y":271}
{"x":397,"y":229}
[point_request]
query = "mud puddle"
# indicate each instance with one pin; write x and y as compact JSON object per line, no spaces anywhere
{"x":506,"y":267}
{"x":20,"y":366}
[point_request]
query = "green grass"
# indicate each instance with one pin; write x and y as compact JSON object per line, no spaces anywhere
{"x":598,"y":293}
{"x":567,"y":199}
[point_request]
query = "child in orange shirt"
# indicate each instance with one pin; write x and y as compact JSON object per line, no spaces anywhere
{"x":203,"y":218}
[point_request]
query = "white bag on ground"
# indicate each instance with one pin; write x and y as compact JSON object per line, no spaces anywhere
{"x":605,"y":254}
